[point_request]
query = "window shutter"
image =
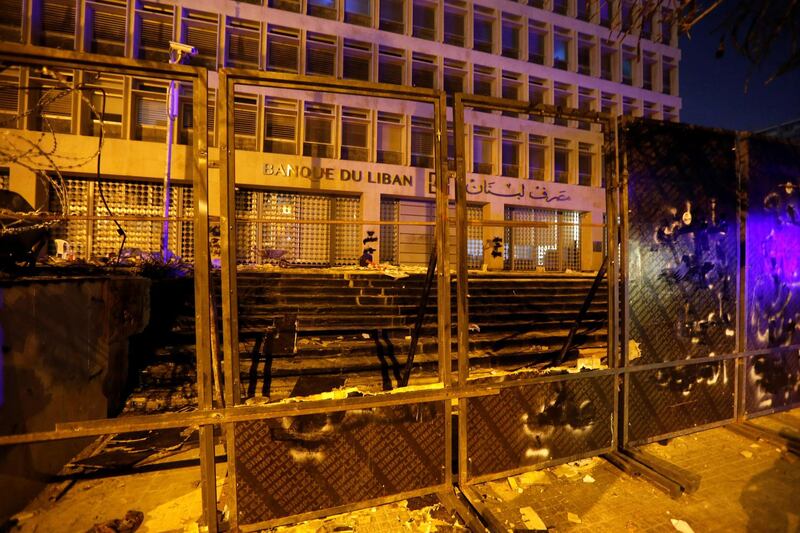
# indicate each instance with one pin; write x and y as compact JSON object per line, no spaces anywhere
{"x":282,"y":52}
{"x":321,"y":59}
{"x":318,"y":129}
{"x":11,"y":21}
{"x":242,"y":46}
{"x":454,"y":27}
{"x":392,"y":15}
{"x":151,"y":112}
{"x":58,"y":24}
{"x":108,"y":31}
{"x":204,"y":38}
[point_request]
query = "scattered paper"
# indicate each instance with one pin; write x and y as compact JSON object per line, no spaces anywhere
{"x":746,"y":453}
{"x":572,"y":517}
{"x":365,"y":335}
{"x":588,"y":479}
{"x":681,"y":526}
{"x":532,"y":520}
{"x":566,"y":470}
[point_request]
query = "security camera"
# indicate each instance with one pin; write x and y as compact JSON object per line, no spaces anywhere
{"x":182,"y":48}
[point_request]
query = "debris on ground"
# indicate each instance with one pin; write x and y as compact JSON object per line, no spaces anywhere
{"x":575,"y":519}
{"x":128,"y":524}
{"x":532,"y":520}
{"x":681,"y":526}
{"x":746,"y":454}
{"x":588,"y":479}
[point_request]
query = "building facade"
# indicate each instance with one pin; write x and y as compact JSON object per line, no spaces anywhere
{"x":303,"y":155}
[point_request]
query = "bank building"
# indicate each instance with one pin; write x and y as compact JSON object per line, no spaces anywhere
{"x":307,"y":155}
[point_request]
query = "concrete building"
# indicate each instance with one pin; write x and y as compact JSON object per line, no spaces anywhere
{"x":305,"y":155}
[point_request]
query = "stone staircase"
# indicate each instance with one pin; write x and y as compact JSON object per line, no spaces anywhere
{"x":358,"y":325}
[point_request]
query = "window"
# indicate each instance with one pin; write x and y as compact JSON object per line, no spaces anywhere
{"x":454,"y":19}
{"x":511,"y":31}
{"x":605,"y":13}
{"x":149,"y":106}
{"x":9,"y":97}
{"x":609,"y":104}
{"x":423,"y":71}
{"x":561,"y":7}
{"x":424,"y":20}
{"x":155,"y":31}
{"x":318,"y":130}
{"x":667,"y":76}
{"x":108,"y":28}
{"x":670,"y":114}
{"x":646,"y":31}
{"x":626,"y":10}
{"x":482,"y":150}
{"x":200,"y":31}
{"x":562,"y":97}
{"x":355,"y":134}
{"x":537,"y":36}
{"x":391,"y":16}
{"x":391,"y":65}
{"x":483,"y":81}
{"x":482,"y":29}
{"x":451,"y":147}
{"x":608,"y":61}
{"x":585,"y":10}
{"x":650,"y":110}
{"x":422,"y":142}
{"x":390,"y":138}
{"x":510,"y":89}
{"x":586,"y":102}
{"x":585,"y":54}
{"x":628,"y":65}
{"x":649,"y":71}
{"x":112,"y":86}
{"x":561,"y":156}
{"x":537,"y":94}
{"x":358,"y":12}
{"x":58,"y":24}
{"x":325,"y":9}
{"x":245,"y":111}
{"x":286,"y":5}
{"x":536,"y":3}
{"x":280,"y":126}
{"x":186,"y":119}
{"x":283,"y":49}
{"x":511,"y":153}
{"x":242,"y":43}
{"x":357,"y":57}
{"x":585,"y":164}
{"x":454,"y":76}
{"x":561,"y":45}
{"x":320,"y":54}
{"x":537,"y":155}
{"x":666,"y":26}
{"x":630,"y":107}
{"x":11,"y":22}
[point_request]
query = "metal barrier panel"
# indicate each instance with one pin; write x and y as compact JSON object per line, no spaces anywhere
{"x":772,"y":266}
{"x":538,"y":423}
{"x":682,"y":277}
{"x":302,"y":464}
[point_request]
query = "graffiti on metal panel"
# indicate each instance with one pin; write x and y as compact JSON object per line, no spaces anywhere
{"x":309,"y":435}
{"x":774,"y":312}
{"x":695,"y":241}
{"x":685,"y":379}
{"x":562,"y":411}
{"x":776,"y":378}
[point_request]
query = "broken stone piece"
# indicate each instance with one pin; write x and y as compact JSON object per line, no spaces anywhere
{"x":531,"y":519}
{"x":575,"y":519}
{"x":681,"y":526}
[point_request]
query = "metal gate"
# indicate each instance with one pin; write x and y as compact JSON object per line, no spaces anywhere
{"x":532,"y":419}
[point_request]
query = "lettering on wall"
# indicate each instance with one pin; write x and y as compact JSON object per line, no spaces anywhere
{"x":343,"y":174}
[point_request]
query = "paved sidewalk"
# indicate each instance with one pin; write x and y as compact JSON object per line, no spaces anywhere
{"x":746,"y":486}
